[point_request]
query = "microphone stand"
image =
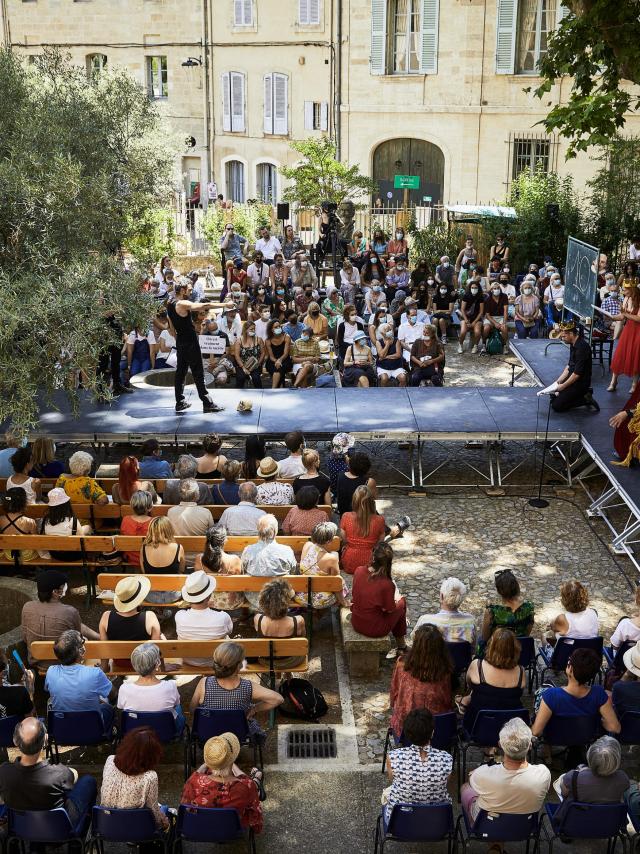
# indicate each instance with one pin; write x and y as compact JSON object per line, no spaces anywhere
{"x":539,"y":502}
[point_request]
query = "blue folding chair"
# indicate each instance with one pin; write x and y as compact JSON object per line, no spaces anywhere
{"x":217,"y":826}
{"x":587,"y":821}
{"x":630,"y":731}
{"x":528,"y":660}
{"x":569,"y":731}
{"x":485,"y":731}
{"x":416,"y":823}
{"x":131,"y":826}
{"x":165,"y":727}
{"x":501,"y":827}
{"x":614,"y":657}
{"x":7,"y":726}
{"x":445,"y":736}
{"x":461,"y":653}
{"x":76,"y":729}
{"x":557,"y":658}
{"x":46,"y":826}
{"x":208,"y":723}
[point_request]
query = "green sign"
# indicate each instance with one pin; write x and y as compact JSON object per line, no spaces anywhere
{"x":406,"y":182}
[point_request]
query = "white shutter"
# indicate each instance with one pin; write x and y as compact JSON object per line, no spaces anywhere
{"x":237,"y":101}
{"x":378,"y":36}
{"x":324,"y":115}
{"x":308,"y":115}
{"x":429,"y":45}
{"x":563,"y":12}
{"x":314,"y":11}
{"x":248,"y":13}
{"x":303,"y":11}
{"x":243,"y":13}
{"x":226,"y":101}
{"x":268,"y":103}
{"x":506,"y":36}
{"x":280,"y":104}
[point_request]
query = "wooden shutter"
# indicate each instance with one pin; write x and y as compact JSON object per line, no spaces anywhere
{"x":226,"y":101}
{"x":280,"y":104}
{"x":308,"y":115}
{"x":506,"y":36}
{"x":429,"y":43}
{"x":237,"y":102}
{"x":268,"y":103}
{"x":377,"y":58}
{"x":324,"y":115}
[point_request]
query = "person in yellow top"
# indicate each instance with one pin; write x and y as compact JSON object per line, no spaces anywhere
{"x":79,"y":486}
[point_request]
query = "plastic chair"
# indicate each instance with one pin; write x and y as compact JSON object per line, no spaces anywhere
{"x":76,"y":729}
{"x":416,"y":823}
{"x":570,"y":731}
{"x":528,"y":660}
{"x":208,"y":723}
{"x":7,"y":726}
{"x":461,"y":653}
{"x":486,"y":731}
{"x":132,"y":826}
{"x":614,"y":657}
{"x":203,"y":824}
{"x":630,"y":732}
{"x":501,"y":827}
{"x":164,"y":726}
{"x":444,"y":737}
{"x":46,"y":826}
{"x":557,"y":659}
{"x":588,"y":821}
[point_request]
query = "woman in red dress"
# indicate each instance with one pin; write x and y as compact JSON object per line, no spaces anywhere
{"x":626,"y":359}
{"x":376,"y":607}
{"x":626,"y":439}
{"x":360,"y":530}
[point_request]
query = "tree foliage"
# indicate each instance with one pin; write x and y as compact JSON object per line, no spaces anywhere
{"x":82,"y":165}
{"x":597,"y":46}
{"x":434,"y":241}
{"x":318,"y":176}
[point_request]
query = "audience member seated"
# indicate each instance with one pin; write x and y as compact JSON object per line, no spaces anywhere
{"x":306,"y":515}
{"x":495,"y":682}
{"x":202,"y":621}
{"x":15,"y":699}
{"x":419,"y":773}
{"x":254,"y":451}
{"x":360,"y":530}
{"x":129,"y":481}
{"x":48,"y":618}
{"x":273,"y":620}
{"x":227,"y":491}
{"x":186,"y":468}
{"x":79,"y":485}
{"x":454,"y":624}
{"x":351,"y":324}
{"x":242,"y":519}
{"x":422,"y":678}
{"x":628,"y":629}
{"x":577,"y":698}
{"x":187,"y":518}
{"x":31,"y":782}
{"x":267,"y":557}
{"x":129,"y":778}
{"x":227,"y":690}
{"x":21,"y":463}
{"x":12,"y":440}
{"x":527,"y":312}
{"x":626,"y":690}
{"x":512,"y":612}
{"x":127,"y":622}
{"x":75,"y":687}
{"x":356,"y":475}
{"x":471,"y":313}
{"x":316,"y":560}
{"x":292,"y":465}
{"x":359,"y":363}
{"x":512,"y":786}
{"x":215,"y":560}
{"x":377,"y":608}
{"x":272,"y":492}
{"x":427,"y":358}
{"x":211,"y":462}
{"x":13,"y":504}
{"x":137,"y":524}
{"x":389,"y":358}
{"x":220,"y":784}
{"x":312,"y":476}
{"x":150,"y":693}
{"x":43,"y":459}
{"x":152,"y":465}
{"x":61,"y":521}
{"x":578,"y":619}
{"x":161,"y":555}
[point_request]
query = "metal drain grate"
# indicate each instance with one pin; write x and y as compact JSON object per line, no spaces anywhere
{"x":312,"y":744}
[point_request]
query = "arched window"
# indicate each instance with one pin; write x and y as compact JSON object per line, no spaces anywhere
{"x":96,"y":62}
{"x":266,"y":183}
{"x":234,"y":175}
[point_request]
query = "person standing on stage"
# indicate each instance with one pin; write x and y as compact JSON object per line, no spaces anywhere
{"x":188,"y":347}
{"x":574,"y":383}
{"x":626,"y":359}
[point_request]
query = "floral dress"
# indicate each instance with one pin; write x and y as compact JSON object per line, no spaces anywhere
{"x":519,"y":621}
{"x":309,"y":566}
{"x":241,"y":794}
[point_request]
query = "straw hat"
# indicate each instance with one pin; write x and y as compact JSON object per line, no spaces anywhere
{"x":57,"y":496}
{"x":131,"y":592}
{"x":198,"y":587}
{"x":221,"y":751}
{"x":631,"y":659}
{"x":268,"y":468}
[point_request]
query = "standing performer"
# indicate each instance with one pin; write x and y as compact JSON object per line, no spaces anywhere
{"x":188,"y":347}
{"x":574,"y":383}
{"x":626,"y":359}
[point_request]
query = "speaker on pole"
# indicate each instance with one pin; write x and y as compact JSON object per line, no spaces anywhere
{"x":283,"y":210}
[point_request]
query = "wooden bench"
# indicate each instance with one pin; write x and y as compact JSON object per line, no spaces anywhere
{"x":363,"y":653}
{"x":107,"y":483}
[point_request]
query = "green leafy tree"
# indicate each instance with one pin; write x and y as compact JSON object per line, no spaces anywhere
{"x":152,"y":236}
{"x":83,"y":163}
{"x":318,"y":176}
{"x":597,"y":46}
{"x":434,"y":241}
{"x":247,"y":220}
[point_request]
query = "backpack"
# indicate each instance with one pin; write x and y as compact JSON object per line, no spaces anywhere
{"x":302,"y":700}
{"x":494,"y":343}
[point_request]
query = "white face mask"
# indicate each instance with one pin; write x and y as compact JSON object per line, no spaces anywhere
{"x":527,"y":291}
{"x":445,"y":264}
{"x":399,"y":235}
{"x":474,"y":291}
{"x":495,"y":291}
{"x":443,"y":290}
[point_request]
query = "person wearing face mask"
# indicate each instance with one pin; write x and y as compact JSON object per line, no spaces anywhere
{"x":278,"y":346}
{"x":494,"y":269}
{"x":258,"y":271}
{"x":280,"y":310}
{"x":389,"y":363}
{"x":230,"y":323}
{"x":410,"y":331}
{"x":293,"y":327}
{"x":420,"y":273}
{"x":358,"y":363}
{"x":527,"y":312}
{"x":347,"y":329}
{"x":379,"y":243}
{"x":357,"y":249}
{"x":496,"y":309}
{"x":467,"y":256}
{"x":349,"y":282}
{"x":471,"y":313}
{"x":499,"y":250}
{"x":397,"y":278}
{"x":306,"y":359}
{"x":409,"y":303}
{"x":611,"y":303}
{"x":374,"y":298}
{"x":249,"y":354}
{"x":262,"y":322}
{"x":316,"y":321}
{"x":609,"y":284}
{"x":374,"y":269}
{"x":278,"y":275}
{"x":379,"y":317}
{"x":398,"y":246}
{"x":332,"y":309}
{"x":303,"y":276}
{"x":441,"y":309}
{"x":427,"y":358}
{"x":445,"y":272}
{"x":235,"y":273}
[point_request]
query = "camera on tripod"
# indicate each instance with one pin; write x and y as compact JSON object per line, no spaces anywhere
{"x":329,"y":207}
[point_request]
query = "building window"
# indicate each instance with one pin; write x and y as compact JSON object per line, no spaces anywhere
{"x":316,"y":115}
{"x":234,"y":175}
{"x":266,"y":186}
{"x":405,"y":37}
{"x":308,"y":12}
{"x":157,"y":78}
{"x":96,"y":62}
{"x":233,"y":106}
{"x":536,"y":20}
{"x":530,"y":154}
{"x":243,"y":13}
{"x":276,"y":104}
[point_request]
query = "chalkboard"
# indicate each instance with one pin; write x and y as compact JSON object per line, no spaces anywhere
{"x":581,"y":277}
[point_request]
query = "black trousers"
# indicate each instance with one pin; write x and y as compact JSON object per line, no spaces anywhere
{"x":189,"y":357}
{"x":569,"y":398}
{"x":109,"y":363}
{"x":427,"y":373}
{"x":255,"y":377}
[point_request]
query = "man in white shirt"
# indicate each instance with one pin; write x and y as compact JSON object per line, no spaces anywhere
{"x":241,"y":519}
{"x":409,"y":303}
{"x":258,"y":271}
{"x":292,"y":466}
{"x":231,"y":325}
{"x":200,"y":621}
{"x":267,"y":557}
{"x":634,"y":249}
{"x":263,"y":322}
{"x":410,"y":331}
{"x":268,"y":245}
{"x":188,"y":518}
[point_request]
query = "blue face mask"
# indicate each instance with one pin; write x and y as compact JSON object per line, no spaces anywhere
{"x":277,"y":330}
{"x":280,"y":290}
{"x":413,"y":320}
{"x":304,"y":337}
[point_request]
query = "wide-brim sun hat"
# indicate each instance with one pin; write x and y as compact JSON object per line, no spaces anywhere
{"x":360,"y":336}
{"x":198,"y":587}
{"x":131,"y":592}
{"x":631,"y":659}
{"x":268,"y":467}
{"x":57,"y":496}
{"x":221,"y":751}
{"x":344,"y":441}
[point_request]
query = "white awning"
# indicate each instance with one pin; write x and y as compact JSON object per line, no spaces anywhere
{"x":480,"y":210}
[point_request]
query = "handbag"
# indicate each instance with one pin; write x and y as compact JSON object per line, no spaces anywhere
{"x":251,"y":364}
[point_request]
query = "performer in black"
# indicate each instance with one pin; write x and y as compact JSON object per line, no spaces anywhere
{"x":574,"y":383}
{"x":188,"y":347}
